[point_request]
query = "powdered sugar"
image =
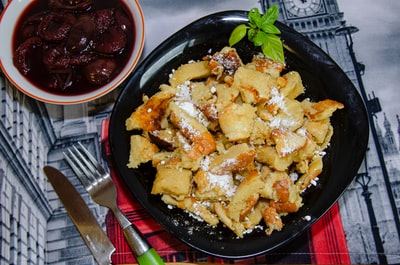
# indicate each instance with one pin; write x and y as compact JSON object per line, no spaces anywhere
{"x":277,"y":99}
{"x":288,"y":147}
{"x":222,"y":181}
{"x":191,"y":109}
{"x":294,"y":176}
{"x":205,"y":163}
{"x":184,"y":92}
{"x":228,"y":162}
{"x":279,"y":122}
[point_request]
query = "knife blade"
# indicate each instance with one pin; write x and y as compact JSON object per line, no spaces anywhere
{"x":95,"y":238}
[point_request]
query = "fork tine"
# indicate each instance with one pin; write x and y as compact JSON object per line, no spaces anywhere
{"x":89,"y":175}
{"x":98,"y":166}
{"x":85,"y":164}
{"x":78,"y":172}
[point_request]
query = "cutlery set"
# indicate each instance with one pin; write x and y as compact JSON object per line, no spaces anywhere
{"x":102,"y":189}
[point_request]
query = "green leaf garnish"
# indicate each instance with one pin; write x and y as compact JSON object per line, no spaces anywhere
{"x":273,"y":48}
{"x":237,"y":34}
{"x":261,"y":31}
{"x":260,"y":38}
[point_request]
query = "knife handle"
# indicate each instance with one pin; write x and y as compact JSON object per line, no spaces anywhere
{"x":143,"y":252}
{"x":138,"y":244}
{"x":150,"y":258}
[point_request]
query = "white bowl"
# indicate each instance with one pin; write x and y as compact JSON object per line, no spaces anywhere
{"x":8,"y":21}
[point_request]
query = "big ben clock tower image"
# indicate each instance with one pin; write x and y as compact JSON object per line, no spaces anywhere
{"x":319,"y":21}
{"x":322,"y":22}
{"x":303,"y":8}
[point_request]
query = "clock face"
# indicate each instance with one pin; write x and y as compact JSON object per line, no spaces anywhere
{"x":302,"y":8}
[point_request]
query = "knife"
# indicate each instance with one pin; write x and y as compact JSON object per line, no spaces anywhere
{"x":92,"y":233}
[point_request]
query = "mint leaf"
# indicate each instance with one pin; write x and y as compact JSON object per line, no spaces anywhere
{"x":260,"y":38}
{"x":251,"y":34}
{"x":273,"y":48}
{"x":270,"y":28}
{"x":271,"y":15}
{"x":237,"y":34}
{"x":261,"y":31}
{"x":255,"y":19}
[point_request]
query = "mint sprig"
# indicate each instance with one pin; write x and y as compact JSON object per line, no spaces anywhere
{"x":262,"y":32}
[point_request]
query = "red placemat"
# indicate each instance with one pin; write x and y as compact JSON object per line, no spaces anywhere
{"x":324,"y":243}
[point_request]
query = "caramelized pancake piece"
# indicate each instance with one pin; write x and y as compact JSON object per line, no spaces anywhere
{"x":148,"y":116}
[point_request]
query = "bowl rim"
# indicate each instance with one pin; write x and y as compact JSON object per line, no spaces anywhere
{"x":25,"y":86}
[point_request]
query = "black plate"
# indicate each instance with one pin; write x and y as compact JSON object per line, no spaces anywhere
{"x":322,"y":78}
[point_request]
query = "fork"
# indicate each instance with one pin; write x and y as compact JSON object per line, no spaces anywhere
{"x":101,"y":188}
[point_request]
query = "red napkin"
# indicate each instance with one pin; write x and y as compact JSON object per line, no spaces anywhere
{"x":325,"y":243}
